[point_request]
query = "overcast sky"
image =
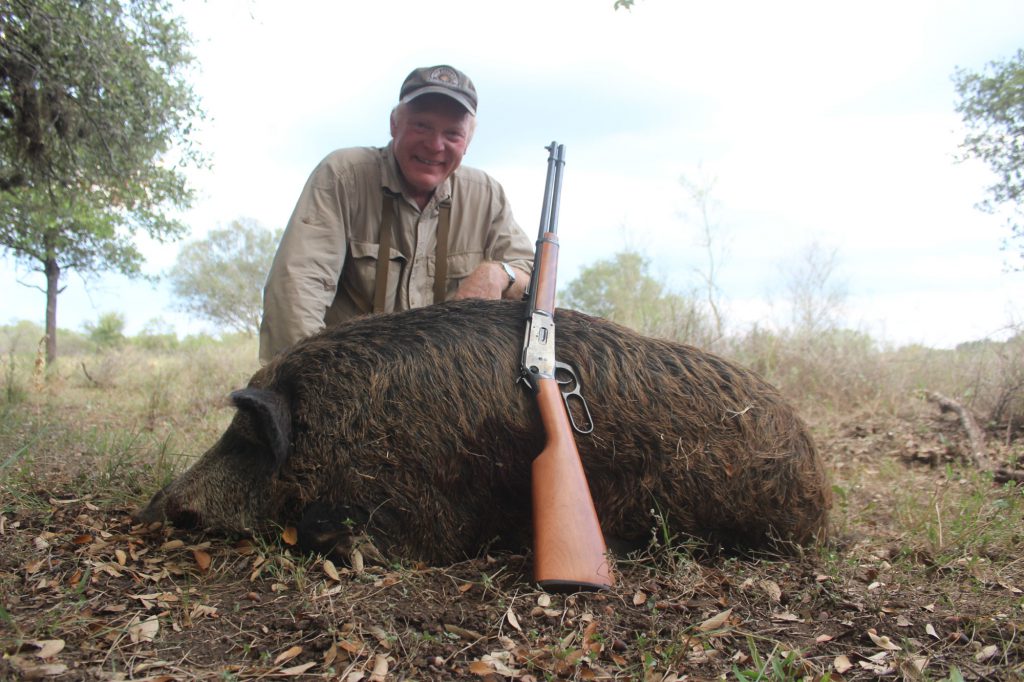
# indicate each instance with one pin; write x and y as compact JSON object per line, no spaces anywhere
{"x":819,"y":122}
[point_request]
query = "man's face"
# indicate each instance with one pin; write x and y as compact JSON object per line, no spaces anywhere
{"x":431,"y":135}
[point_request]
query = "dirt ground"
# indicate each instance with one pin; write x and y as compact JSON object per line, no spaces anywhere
{"x":902,"y":591}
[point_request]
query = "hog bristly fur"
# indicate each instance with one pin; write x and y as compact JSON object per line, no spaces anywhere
{"x":413,"y":428}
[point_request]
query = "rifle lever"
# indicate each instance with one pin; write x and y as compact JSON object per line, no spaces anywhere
{"x":565,"y":376}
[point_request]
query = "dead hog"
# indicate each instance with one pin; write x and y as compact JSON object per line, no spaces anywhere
{"x":412,"y":428}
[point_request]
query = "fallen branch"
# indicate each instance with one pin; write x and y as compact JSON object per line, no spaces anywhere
{"x":89,"y":376}
{"x":975,"y":436}
{"x":1002,"y":475}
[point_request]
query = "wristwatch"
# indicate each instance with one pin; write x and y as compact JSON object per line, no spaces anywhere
{"x":511,"y":275}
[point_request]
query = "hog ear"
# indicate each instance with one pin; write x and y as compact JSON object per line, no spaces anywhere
{"x":270,"y":416}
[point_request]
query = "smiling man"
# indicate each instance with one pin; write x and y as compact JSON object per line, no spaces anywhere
{"x":391,"y":228}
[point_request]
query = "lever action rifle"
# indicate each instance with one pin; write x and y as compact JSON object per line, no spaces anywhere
{"x":568,"y":547}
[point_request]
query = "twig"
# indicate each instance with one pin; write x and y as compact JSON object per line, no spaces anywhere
{"x":975,"y":436}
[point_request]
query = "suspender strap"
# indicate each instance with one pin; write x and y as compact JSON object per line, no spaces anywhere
{"x":444,"y":225}
{"x":387,"y":227}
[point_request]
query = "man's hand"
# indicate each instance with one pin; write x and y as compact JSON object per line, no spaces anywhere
{"x":490,"y":281}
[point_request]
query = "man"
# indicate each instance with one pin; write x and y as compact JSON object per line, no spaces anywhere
{"x":364,"y":235}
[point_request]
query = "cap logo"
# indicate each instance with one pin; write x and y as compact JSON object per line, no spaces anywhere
{"x":445,"y":76}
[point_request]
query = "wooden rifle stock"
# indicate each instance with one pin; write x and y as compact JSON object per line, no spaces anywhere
{"x":569,"y":548}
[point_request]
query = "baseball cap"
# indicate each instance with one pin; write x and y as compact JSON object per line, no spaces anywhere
{"x":442,"y":80}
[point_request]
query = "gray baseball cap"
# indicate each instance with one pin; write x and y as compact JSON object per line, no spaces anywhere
{"x":442,"y":80}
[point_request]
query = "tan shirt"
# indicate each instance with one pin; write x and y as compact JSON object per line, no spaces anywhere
{"x":325,"y":267}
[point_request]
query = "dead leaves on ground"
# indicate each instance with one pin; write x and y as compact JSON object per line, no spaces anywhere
{"x":134,"y":592}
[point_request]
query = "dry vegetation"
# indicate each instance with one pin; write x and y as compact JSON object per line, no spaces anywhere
{"x":922,"y":580}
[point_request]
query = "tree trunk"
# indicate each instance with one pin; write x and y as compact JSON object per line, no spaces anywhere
{"x":52,"y":270}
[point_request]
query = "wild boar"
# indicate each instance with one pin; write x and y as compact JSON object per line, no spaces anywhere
{"x":413,"y":429}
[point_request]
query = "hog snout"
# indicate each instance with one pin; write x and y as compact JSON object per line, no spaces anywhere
{"x":165,"y":508}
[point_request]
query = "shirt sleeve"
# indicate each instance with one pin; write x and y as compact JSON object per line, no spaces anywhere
{"x":507,"y":242}
{"x":303,"y":278}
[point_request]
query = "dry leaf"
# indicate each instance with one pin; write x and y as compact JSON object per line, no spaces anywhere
{"x":786,"y":617}
{"x":468,"y":635}
{"x":202,"y":559}
{"x":173,"y":544}
{"x":288,"y":655}
{"x":290,"y":536}
{"x":34,"y":671}
{"x":510,"y":616}
{"x":203,"y":611}
{"x":716,"y":621}
{"x":931,"y":630}
{"x":380,"y":669}
{"x":121,"y":557}
{"x":144,"y":631}
{"x":48,"y":648}
{"x":480,"y":668}
{"x":544,"y":601}
{"x":356,"y":559}
{"x":350,"y":647}
{"x":772,"y":589}
{"x":298,"y":669}
{"x":821,"y":639}
{"x":498,"y":661}
{"x":986,"y":653}
{"x":882,"y":641}
{"x":331,"y":571}
{"x":639,"y":598}
{"x":841,"y":664}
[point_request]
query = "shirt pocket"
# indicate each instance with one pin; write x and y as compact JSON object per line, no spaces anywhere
{"x":359,"y":276}
{"x":460,"y":265}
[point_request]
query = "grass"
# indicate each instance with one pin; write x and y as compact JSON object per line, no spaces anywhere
{"x":921,"y":580}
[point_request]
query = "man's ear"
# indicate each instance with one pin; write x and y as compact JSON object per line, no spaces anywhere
{"x":394,"y":121}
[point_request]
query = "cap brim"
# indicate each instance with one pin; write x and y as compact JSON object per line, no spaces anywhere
{"x":440,"y":90}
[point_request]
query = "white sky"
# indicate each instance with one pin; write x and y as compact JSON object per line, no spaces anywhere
{"x":820,"y":121}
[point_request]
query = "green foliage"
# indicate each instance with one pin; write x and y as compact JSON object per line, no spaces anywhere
{"x":21,"y":337}
{"x":992,"y":106}
{"x":157,"y":335}
{"x":220,"y":278}
{"x":107,"y":331}
{"x":622,"y":290}
{"x":14,"y":389}
{"x":95,"y":118}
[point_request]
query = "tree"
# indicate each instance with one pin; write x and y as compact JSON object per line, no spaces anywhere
{"x":107,"y":331}
{"x":220,"y":278}
{"x":817,"y":298}
{"x":700,"y":192}
{"x":992,"y":107}
{"x":620,"y":289}
{"x":95,"y":119}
